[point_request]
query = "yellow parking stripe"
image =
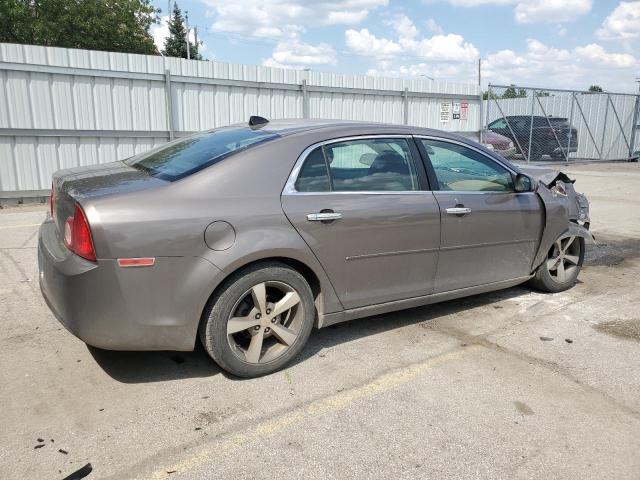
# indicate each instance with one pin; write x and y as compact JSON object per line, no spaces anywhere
{"x":2,"y":227}
{"x":298,"y":416}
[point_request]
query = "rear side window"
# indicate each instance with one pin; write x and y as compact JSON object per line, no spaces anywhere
{"x":186,"y":156}
{"x":373,"y":165}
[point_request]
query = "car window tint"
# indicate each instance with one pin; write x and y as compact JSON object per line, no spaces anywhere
{"x":460,"y":168}
{"x":313,"y":176}
{"x":375,"y":164}
{"x":183,"y":157}
{"x":498,"y":124}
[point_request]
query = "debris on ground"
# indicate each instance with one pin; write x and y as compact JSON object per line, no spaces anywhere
{"x":546,"y":339}
{"x":568,"y":340}
{"x":64,"y":452}
{"x":80,"y":473}
{"x":40,"y":445}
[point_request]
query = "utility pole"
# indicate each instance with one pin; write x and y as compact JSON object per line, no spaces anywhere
{"x":480,"y":100}
{"x":186,"y":21}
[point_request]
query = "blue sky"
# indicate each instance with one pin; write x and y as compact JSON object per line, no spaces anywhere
{"x":546,"y":43}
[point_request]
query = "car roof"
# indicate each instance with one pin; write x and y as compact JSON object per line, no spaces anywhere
{"x":286,"y":127}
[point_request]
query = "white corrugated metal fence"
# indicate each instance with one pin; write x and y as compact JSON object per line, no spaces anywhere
{"x":61,"y":108}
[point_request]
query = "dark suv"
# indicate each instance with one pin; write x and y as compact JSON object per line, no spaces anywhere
{"x":552,"y":140}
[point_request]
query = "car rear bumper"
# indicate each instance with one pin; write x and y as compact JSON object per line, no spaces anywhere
{"x":106,"y":306}
{"x":507,"y":152}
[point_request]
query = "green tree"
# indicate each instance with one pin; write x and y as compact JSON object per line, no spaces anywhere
{"x":596,"y":89}
{"x":511,"y":92}
{"x":114,"y":25}
{"x":175,"y":45}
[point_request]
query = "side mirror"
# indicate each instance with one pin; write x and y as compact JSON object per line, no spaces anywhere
{"x":524,"y":183}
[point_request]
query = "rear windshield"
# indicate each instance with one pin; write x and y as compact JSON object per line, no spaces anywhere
{"x":183,"y":157}
{"x":558,"y":121}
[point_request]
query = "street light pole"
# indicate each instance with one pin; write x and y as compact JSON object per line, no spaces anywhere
{"x":186,"y":21}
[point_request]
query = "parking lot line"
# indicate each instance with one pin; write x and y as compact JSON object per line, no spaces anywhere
{"x":301,"y":414}
{"x":2,"y":227}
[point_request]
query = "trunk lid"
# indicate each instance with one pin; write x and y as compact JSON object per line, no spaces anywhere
{"x":85,"y":183}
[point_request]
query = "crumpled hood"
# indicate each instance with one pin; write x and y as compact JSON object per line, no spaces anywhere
{"x":545,"y":175}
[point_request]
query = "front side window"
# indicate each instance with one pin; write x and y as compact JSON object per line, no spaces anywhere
{"x":373,"y":164}
{"x":183,"y":157}
{"x":462,"y":169}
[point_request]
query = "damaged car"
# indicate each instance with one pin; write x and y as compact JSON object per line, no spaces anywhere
{"x":247,"y":237}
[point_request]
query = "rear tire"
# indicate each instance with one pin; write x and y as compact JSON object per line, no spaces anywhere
{"x":561,"y":267}
{"x":536,"y":153}
{"x":259,"y":320}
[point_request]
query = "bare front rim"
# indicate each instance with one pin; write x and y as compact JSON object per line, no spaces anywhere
{"x":265,"y":322}
{"x":563,"y":259}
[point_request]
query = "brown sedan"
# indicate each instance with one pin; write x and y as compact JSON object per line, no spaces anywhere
{"x":248,"y":236}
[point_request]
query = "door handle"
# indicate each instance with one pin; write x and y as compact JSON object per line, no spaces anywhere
{"x":324,"y":216}
{"x":458,"y":211}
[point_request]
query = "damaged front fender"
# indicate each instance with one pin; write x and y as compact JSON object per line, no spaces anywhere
{"x":566,"y":211}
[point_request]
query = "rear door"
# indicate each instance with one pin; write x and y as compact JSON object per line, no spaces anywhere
{"x":489,"y":231}
{"x":363,"y":206}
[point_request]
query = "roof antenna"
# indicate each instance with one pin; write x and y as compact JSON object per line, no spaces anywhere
{"x":257,"y":122}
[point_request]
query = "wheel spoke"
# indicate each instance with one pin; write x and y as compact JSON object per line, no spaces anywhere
{"x":284,"y":334}
{"x":252,"y":354}
{"x":552,"y":263}
{"x":568,"y":243}
{"x":561,"y":273}
{"x":238,"y":324}
{"x":287,"y":302}
{"x":259,"y":296}
{"x":572,"y":259}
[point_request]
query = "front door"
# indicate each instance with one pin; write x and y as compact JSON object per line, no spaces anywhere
{"x":489,"y":232}
{"x":364,"y":209}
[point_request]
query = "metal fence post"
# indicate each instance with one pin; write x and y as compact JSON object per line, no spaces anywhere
{"x":570,"y":129}
{"x":305,"y":99}
{"x":405,"y":98}
{"x":486,"y":118}
{"x":604,"y":127}
{"x":533,"y":107}
{"x":634,"y":126}
{"x":168,"y":96}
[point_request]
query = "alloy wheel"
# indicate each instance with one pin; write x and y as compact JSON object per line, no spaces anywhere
{"x":564,"y":259}
{"x":265,"y":322}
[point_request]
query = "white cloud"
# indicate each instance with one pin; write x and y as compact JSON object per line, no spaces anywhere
{"x":621,"y":24}
{"x":346,"y":17}
{"x":533,"y":11}
{"x":365,"y":43}
{"x":538,"y":65}
{"x":597,"y":54}
{"x":440,"y":48}
{"x":297,"y":54}
{"x":555,"y":11}
{"x":276,"y":18}
{"x":543,"y":65}
{"x":433,"y":27}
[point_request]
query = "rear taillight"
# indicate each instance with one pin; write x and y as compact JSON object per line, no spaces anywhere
{"x":77,"y":235}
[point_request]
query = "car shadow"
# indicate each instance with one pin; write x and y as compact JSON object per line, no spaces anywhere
{"x":145,"y":367}
{"x":345,"y":332}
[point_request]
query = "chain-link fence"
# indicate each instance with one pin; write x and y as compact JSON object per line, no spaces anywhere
{"x":545,"y":125}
